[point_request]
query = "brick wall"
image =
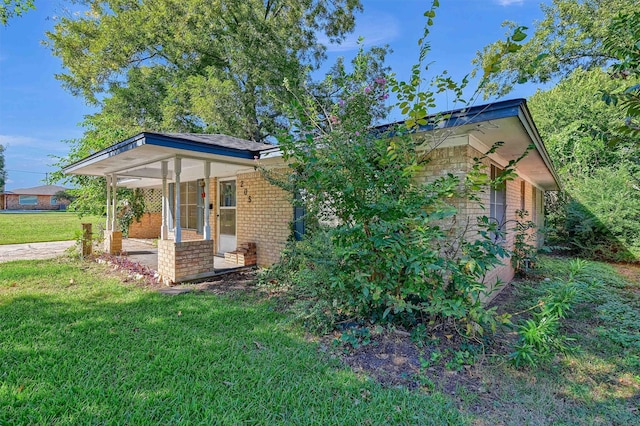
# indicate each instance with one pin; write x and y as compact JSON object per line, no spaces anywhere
{"x":458,"y":160}
{"x":113,"y":242}
{"x":185,"y":261}
{"x":44,"y":203}
{"x":264,"y":216}
{"x":147,"y":227}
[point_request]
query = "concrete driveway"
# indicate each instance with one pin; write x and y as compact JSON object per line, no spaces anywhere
{"x":31,"y":251}
{"x":142,"y":248}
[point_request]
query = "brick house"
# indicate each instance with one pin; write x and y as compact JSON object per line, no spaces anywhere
{"x":37,"y":198}
{"x":211,"y":199}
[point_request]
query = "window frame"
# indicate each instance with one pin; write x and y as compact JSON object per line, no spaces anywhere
{"x":195,"y":204}
{"x":33,"y":197}
{"x":498,"y":203}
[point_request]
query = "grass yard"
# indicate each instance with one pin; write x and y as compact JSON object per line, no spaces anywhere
{"x":79,"y":347}
{"x":598,"y":382}
{"x":17,"y":228}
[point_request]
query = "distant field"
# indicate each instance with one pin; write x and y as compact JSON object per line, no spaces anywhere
{"x":17,"y":228}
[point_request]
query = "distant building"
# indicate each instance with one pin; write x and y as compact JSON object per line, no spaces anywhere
{"x":37,"y":198}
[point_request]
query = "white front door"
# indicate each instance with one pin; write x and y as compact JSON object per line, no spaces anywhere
{"x":227,"y":216}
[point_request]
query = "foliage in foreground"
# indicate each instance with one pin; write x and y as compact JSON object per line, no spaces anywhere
{"x":94,"y":350}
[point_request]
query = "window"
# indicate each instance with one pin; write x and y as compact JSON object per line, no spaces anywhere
{"x":537,"y":204}
{"x":28,"y":200}
{"x":54,"y":200}
{"x":191,"y":204}
{"x":534,"y":208}
{"x":497,"y":199}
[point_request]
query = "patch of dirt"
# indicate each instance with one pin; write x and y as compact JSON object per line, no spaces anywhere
{"x":390,"y":358}
{"x":631,"y":272}
{"x":130,"y":271}
{"x":241,"y":281}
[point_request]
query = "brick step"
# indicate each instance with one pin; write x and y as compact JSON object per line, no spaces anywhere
{"x":245,"y":255}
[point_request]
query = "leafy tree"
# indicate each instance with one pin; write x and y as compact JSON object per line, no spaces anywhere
{"x":625,"y":46}
{"x":598,"y":162}
{"x":3,"y":172}
{"x":195,"y":65}
{"x":591,"y":47}
{"x":187,"y":66}
{"x":11,"y":8}
{"x":571,"y":35}
{"x":578,"y":128}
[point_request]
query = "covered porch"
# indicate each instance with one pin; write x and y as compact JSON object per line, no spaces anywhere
{"x":196,"y":176}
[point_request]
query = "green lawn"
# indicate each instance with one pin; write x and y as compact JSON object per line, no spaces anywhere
{"x":598,"y":381}
{"x":77,"y":347}
{"x":16,"y":228}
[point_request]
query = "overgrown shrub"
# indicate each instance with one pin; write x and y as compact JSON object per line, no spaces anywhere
{"x":524,"y":253}
{"x":395,"y":249}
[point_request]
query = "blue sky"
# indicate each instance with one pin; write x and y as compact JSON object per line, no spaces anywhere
{"x":37,"y":115}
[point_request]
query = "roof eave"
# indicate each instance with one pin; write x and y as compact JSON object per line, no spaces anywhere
{"x":530,"y":127}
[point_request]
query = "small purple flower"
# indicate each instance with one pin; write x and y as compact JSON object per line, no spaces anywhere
{"x":383,"y":97}
{"x":367,"y":89}
{"x":381,"y":81}
{"x":341,"y":102}
{"x":357,"y":133}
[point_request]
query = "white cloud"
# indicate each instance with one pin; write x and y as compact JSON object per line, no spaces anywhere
{"x":375,"y":29}
{"x":17,"y":140}
{"x":509,"y":2}
{"x":19,"y":144}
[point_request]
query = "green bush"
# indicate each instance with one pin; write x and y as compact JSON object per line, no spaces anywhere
{"x":388,"y":246}
{"x":603,"y":215}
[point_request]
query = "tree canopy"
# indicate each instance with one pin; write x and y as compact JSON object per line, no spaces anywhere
{"x":196,"y":65}
{"x":11,"y":8}
{"x":571,"y":35}
{"x":578,"y":128}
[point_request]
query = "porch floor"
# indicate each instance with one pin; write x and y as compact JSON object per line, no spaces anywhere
{"x":146,"y":253}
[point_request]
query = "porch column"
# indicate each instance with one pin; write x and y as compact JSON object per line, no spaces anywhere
{"x":108,"y":225}
{"x":178,"y":169}
{"x":207,"y":228}
{"x":164,"y":229}
{"x":114,"y":190}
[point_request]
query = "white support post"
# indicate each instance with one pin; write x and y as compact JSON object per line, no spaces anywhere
{"x":114,"y":190}
{"x":164,"y":230}
{"x":207,"y":174}
{"x":178,"y":169}
{"x":108,"y":224}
